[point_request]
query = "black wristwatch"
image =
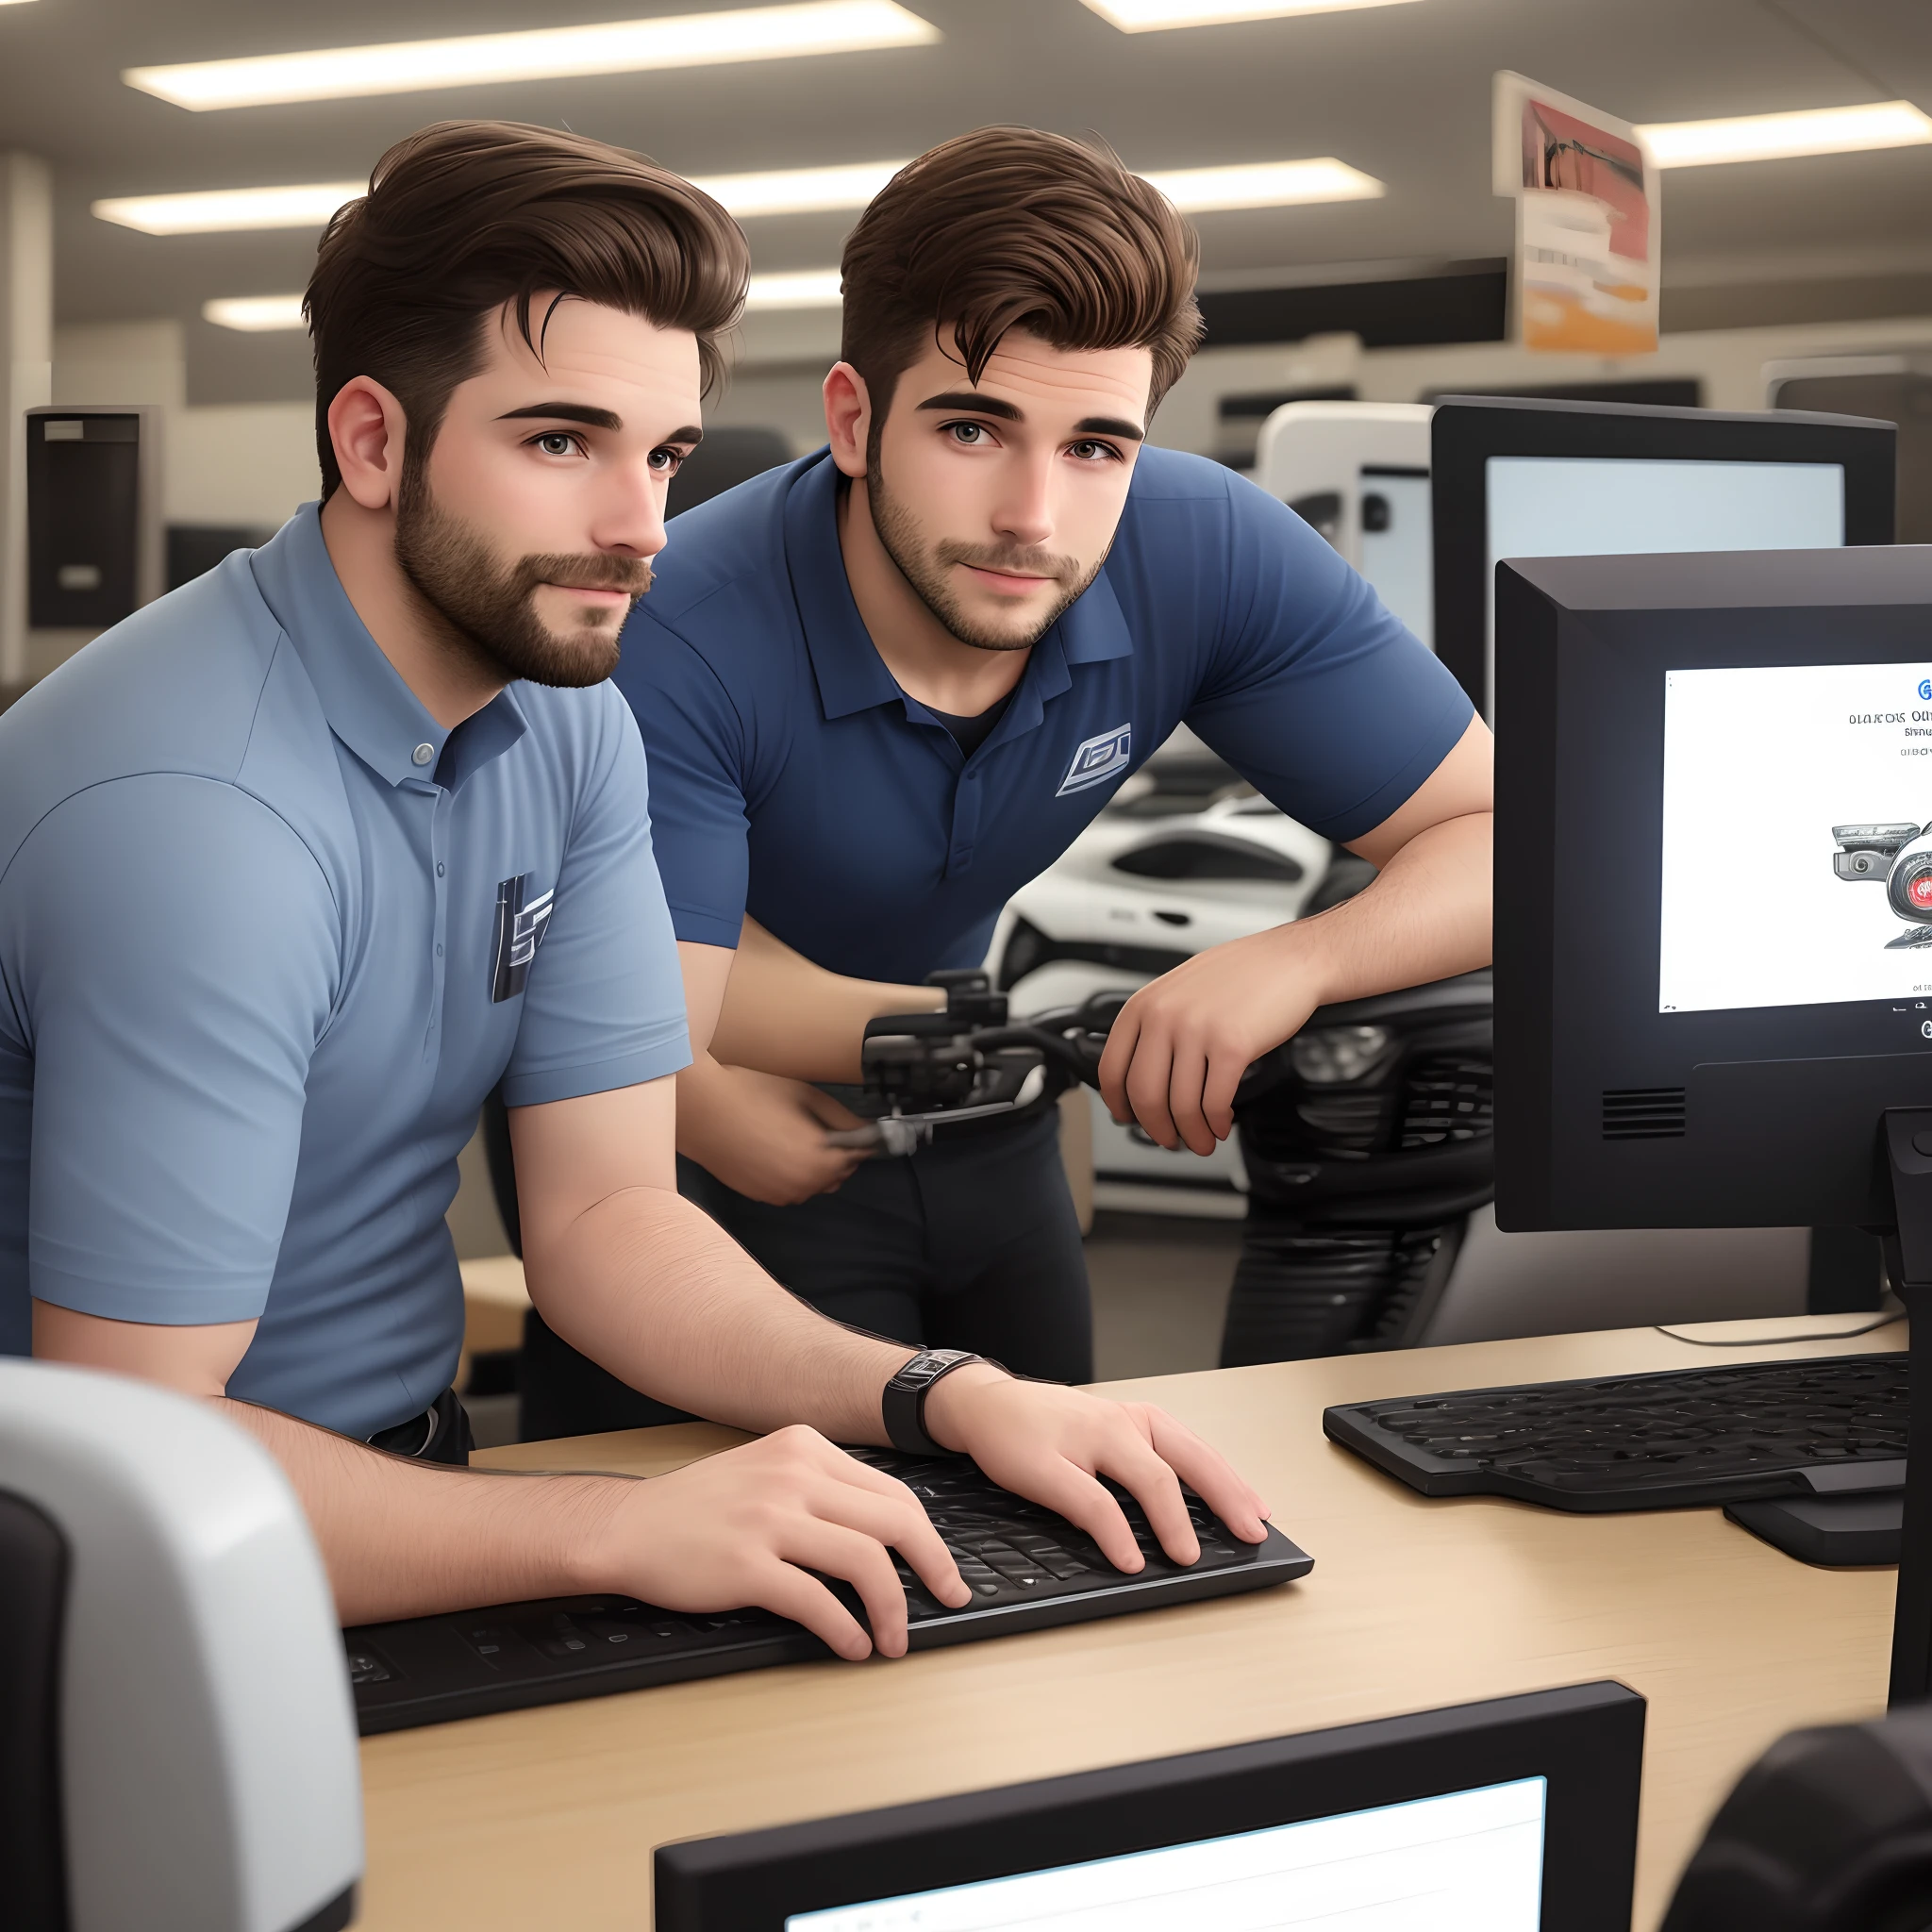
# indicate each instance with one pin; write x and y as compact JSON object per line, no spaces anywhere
{"x":903,"y":1403}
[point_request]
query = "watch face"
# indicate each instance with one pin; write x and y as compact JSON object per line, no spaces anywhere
{"x":923,"y":1367}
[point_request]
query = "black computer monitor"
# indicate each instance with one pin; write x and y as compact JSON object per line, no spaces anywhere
{"x":1549,"y":478}
{"x":1515,"y":1815}
{"x":1713,"y":904}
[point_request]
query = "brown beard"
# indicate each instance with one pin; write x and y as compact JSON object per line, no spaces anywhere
{"x":488,"y":608}
{"x":925,"y":568}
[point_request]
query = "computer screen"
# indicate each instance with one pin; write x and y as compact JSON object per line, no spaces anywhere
{"x":1516,"y":1814}
{"x":1467,"y":1861}
{"x":1829,"y":762}
{"x":1551,"y":478}
{"x":1620,"y":506}
{"x":1714,"y":885}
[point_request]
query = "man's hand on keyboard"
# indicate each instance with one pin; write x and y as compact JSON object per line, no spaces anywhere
{"x":1053,"y":1444}
{"x":745,"y":1528}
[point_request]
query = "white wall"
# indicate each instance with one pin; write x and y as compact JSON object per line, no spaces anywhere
{"x":241,"y":464}
{"x":254,"y":463}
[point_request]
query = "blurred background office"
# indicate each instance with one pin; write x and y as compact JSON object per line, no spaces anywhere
{"x":168,"y":164}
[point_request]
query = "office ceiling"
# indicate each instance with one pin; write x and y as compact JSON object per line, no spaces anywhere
{"x":1400,"y":91}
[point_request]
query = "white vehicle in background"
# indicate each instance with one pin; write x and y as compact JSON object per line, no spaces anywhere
{"x":1184,"y":856}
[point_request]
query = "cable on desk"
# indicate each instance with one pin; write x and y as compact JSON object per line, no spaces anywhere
{"x":1894,"y":1311}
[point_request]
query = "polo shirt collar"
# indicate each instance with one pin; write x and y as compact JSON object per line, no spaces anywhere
{"x":362,"y":695}
{"x":851,"y":675}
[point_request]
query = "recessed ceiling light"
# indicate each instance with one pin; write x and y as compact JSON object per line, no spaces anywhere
{"x":784,"y":191}
{"x":811,"y":287}
{"x":1149,"y":16}
{"x":1777,"y":137}
{"x":798,"y":191}
{"x":618,"y":46}
{"x":255,"y":313}
{"x":1265,"y":184}
{"x":307,"y":206}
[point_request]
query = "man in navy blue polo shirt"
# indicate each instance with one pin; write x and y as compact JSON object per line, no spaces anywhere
{"x":883,"y":688}
{"x":299,"y":864}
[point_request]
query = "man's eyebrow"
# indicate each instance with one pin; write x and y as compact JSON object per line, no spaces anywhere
{"x":568,"y":412}
{"x":690,"y":433}
{"x":1110,"y":426}
{"x":975,"y":403}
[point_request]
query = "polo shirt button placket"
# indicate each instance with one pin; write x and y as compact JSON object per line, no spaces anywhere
{"x":438,"y":815}
{"x":965,"y":822}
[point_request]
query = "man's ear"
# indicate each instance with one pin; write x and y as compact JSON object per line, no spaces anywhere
{"x":367,"y":429}
{"x":848,"y":418}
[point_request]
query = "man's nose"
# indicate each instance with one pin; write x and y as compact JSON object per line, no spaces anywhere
{"x":631,"y":520}
{"x":1025,"y":509}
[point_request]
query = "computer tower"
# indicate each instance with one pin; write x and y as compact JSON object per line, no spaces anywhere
{"x":93,"y":515}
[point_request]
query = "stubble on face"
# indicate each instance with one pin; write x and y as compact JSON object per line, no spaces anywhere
{"x":488,"y":608}
{"x":926,"y":567}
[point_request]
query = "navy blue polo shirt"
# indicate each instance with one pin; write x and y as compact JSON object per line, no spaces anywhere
{"x":269,"y":934}
{"x":794,"y":779}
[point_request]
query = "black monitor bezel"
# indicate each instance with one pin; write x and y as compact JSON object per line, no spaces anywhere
{"x":1587,"y":1739}
{"x":1466,"y":431}
{"x":1780,"y":1105}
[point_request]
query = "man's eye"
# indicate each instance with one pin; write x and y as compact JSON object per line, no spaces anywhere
{"x":1092,"y":452}
{"x":667,"y":462}
{"x":557,"y":443}
{"x":968,"y":434}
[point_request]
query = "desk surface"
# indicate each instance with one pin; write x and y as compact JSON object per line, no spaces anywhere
{"x":549,"y":1817}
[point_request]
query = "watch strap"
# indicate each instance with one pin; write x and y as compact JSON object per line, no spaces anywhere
{"x":902,"y":1403}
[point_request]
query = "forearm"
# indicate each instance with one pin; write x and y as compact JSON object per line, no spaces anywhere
{"x":649,"y":1287}
{"x":782,"y":1014}
{"x":704,"y":1110}
{"x":403,"y":1538}
{"x":1425,"y":916}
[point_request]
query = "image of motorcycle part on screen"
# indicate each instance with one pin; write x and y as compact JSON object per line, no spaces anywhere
{"x":1807,"y":785}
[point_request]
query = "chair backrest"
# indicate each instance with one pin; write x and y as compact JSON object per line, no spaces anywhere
{"x":177,"y":1744}
{"x":1829,"y":1831}
{"x":727,"y":457}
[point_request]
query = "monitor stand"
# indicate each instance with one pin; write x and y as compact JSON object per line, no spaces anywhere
{"x":1855,"y":1532}
{"x":1892,"y":1524}
{"x":1905,"y":1134}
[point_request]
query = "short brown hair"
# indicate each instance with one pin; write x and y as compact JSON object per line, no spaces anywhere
{"x":468,"y":215}
{"x":1010,"y":227}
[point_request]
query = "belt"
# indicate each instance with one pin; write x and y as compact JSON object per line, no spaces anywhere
{"x":440,"y":1434}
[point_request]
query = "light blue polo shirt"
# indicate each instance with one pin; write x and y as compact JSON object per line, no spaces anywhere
{"x":794,"y":779}
{"x":268,"y":937}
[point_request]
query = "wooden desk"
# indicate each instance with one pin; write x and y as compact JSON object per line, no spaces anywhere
{"x":548,"y":1818}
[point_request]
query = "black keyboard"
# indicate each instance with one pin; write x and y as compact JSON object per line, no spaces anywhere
{"x":1728,"y":1434}
{"x":1027,"y":1569}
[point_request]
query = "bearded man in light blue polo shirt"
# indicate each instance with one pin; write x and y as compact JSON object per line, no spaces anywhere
{"x":296,"y":865}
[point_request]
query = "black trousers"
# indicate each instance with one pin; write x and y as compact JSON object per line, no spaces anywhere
{"x":972,"y":1243}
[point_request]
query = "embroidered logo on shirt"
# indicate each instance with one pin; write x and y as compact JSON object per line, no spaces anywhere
{"x":519,"y":931}
{"x":1098,"y":758}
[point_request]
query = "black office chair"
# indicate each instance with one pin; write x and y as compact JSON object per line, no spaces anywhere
{"x":1829,"y":1831}
{"x":726,"y":459}
{"x":559,"y":1392}
{"x":1367,"y":1142}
